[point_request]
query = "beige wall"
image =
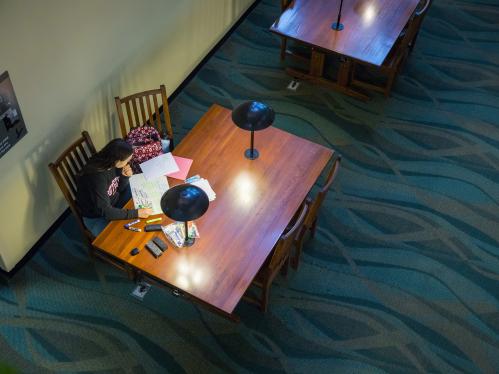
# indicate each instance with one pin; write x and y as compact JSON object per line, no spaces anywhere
{"x":67,"y":60}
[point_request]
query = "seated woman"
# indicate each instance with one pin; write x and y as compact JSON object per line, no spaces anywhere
{"x":102,"y":187}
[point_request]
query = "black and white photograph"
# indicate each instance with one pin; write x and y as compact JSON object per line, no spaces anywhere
{"x":12,"y":126}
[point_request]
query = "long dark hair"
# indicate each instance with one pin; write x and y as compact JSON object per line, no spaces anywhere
{"x":106,"y":158}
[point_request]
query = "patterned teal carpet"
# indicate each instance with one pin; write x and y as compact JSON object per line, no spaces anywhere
{"x":403,"y":275}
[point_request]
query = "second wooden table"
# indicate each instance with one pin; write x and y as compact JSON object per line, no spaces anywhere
{"x":371,"y":29}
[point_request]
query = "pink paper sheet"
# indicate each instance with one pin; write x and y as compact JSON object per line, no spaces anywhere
{"x":184,"y":164}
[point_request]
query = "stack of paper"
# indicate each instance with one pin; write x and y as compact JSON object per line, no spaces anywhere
{"x":205,"y":186}
{"x":184,"y":164}
{"x":175,"y":232}
{"x":159,"y":165}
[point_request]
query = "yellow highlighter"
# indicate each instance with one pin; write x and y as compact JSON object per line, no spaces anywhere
{"x":154,"y":220}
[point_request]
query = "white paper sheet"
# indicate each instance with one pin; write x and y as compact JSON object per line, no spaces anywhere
{"x":147,"y":193}
{"x":159,"y":165}
{"x":206,"y":187}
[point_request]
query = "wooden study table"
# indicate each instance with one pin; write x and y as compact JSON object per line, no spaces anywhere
{"x":255,"y":201}
{"x":371,"y":28}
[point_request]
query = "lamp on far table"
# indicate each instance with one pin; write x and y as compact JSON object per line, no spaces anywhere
{"x":185,"y":202}
{"x":338,"y":26}
{"x":253,"y":116}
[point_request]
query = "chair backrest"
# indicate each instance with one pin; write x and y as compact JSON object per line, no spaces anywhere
{"x":142,"y":108}
{"x":421,"y":11}
{"x":66,"y":168}
{"x":415,"y":23}
{"x":321,"y":195}
{"x":283,"y":246}
{"x":284,"y":4}
{"x":422,"y":7}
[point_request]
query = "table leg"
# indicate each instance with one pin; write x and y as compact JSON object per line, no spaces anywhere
{"x":317,"y":63}
{"x":344,"y":72}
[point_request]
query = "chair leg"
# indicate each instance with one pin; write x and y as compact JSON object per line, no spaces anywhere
{"x":312,"y":229}
{"x":283,"y":48}
{"x":413,"y":41}
{"x":91,"y":252}
{"x":265,"y":298}
{"x":352,"y":71}
{"x":131,"y":274}
{"x":284,"y":268}
{"x":295,"y":261}
{"x":390,"y":82}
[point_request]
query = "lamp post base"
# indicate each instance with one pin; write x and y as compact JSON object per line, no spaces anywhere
{"x":188,"y":242}
{"x":251,"y":155}
{"x":337,"y":26}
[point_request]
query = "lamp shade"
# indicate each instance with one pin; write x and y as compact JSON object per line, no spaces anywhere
{"x":253,"y":116}
{"x":184,"y":202}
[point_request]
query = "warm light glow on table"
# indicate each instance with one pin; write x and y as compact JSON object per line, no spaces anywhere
{"x":245,"y":189}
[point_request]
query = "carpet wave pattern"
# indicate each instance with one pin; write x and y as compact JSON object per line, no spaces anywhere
{"x":403,"y":273}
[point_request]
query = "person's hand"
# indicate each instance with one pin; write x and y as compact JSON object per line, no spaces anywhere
{"x":127,"y":171}
{"x":145,"y":212}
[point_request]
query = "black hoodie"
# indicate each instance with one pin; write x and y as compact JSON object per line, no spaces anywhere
{"x":98,"y":192}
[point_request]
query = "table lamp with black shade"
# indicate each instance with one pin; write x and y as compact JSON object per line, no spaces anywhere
{"x":185,"y":202}
{"x":253,"y":116}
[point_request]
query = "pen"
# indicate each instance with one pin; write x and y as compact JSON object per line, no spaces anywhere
{"x":154,"y":220}
{"x":133,"y":229}
{"x":127,"y":225}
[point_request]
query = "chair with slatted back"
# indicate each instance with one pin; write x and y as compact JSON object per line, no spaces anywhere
{"x":277,"y":261}
{"x":65,"y":170}
{"x":143,"y":108}
{"x":395,"y":59}
{"x":310,"y":222}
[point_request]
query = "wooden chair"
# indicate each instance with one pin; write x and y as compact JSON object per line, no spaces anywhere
{"x":395,"y":59}
{"x":277,"y":261}
{"x":143,"y":108}
{"x":422,"y":7}
{"x":64,"y":170}
{"x":310,"y":222}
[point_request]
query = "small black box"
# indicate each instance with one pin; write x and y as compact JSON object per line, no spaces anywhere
{"x":161,"y":244}
{"x":154,"y":249}
{"x":152,"y":227}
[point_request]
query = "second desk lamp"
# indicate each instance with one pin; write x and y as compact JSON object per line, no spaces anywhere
{"x":253,"y":116}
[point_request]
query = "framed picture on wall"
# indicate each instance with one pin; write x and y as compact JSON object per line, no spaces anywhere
{"x":12,"y":126}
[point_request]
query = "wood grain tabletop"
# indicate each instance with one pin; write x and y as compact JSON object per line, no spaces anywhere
{"x":371,"y":26}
